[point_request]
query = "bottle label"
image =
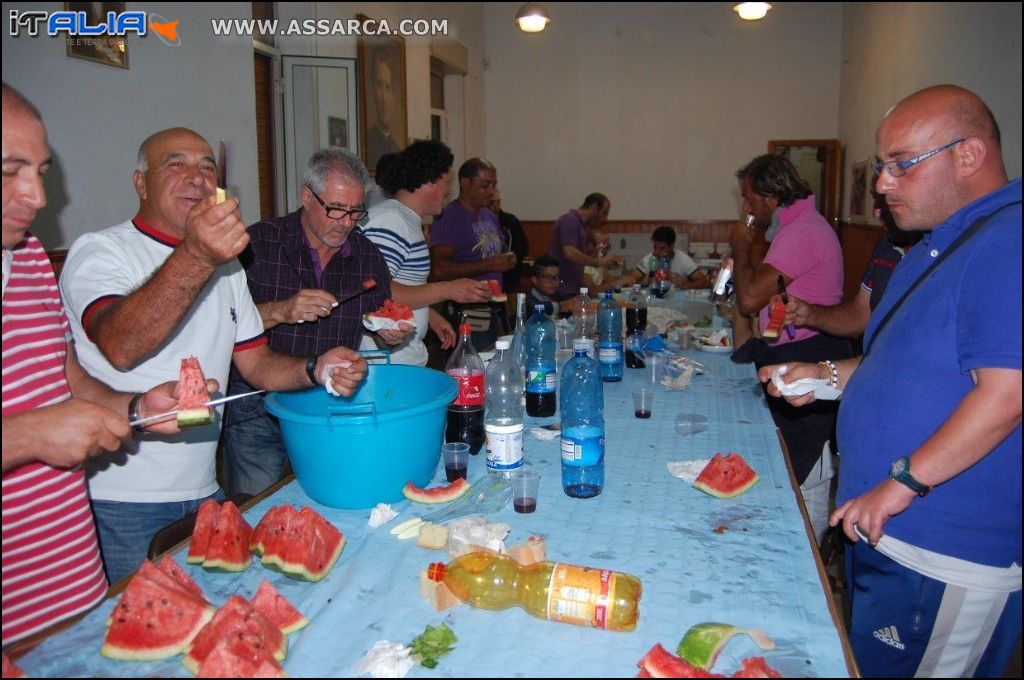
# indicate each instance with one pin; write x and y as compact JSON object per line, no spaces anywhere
{"x":580,"y":595}
{"x":471,"y":388}
{"x":504,"y":446}
{"x":541,"y":378}
{"x":610,"y":353}
{"x":582,"y":447}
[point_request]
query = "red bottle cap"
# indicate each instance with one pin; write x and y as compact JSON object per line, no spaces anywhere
{"x":436,"y":571}
{"x":465,"y":329}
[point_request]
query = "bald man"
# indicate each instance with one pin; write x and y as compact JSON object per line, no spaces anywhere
{"x":930,"y":420}
{"x":142,"y":295}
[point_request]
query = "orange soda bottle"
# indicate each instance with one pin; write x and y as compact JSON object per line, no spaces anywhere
{"x":599,"y":598}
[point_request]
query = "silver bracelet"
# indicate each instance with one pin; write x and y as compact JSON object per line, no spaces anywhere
{"x":833,"y":373}
{"x":133,"y":412}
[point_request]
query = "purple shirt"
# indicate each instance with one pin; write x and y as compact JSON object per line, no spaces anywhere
{"x":569,"y":231}
{"x":278,"y":265}
{"x":806,"y":250}
{"x":474,"y":237}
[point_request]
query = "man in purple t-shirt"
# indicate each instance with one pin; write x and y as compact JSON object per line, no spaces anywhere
{"x":466,"y":241}
{"x":569,"y":242}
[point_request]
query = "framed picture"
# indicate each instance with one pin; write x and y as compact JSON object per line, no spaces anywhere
{"x":337,"y":132}
{"x":383,"y":107}
{"x":858,"y":190}
{"x":103,"y":49}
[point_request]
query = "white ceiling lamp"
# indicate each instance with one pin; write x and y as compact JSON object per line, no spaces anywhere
{"x":532,"y":18}
{"x":752,"y":11}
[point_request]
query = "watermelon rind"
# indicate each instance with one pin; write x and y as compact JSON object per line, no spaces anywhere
{"x":726,"y":476}
{"x":437,"y":494}
{"x":206,"y":517}
{"x":276,"y":607}
{"x":192,"y":394}
{"x":282,"y":531}
{"x":312,"y":558}
{"x":702,"y":644}
{"x":188,"y":417}
{"x":229,"y":544}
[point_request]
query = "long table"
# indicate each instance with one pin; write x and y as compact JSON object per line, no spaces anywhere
{"x":746,"y":561}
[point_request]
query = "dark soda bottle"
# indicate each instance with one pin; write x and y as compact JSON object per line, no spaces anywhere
{"x":466,"y":413}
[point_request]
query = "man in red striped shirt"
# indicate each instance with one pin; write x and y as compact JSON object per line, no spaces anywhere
{"x":54,"y":414}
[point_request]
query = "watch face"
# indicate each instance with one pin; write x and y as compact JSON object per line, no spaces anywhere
{"x":898,"y":466}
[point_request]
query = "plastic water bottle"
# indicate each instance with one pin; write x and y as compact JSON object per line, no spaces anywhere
{"x":662,"y":277}
{"x":503,"y":422}
{"x":554,"y":591}
{"x":541,"y":374}
{"x":583,"y":317}
{"x":519,"y":336}
{"x":636,"y":324}
{"x":582,"y":404}
{"x":466,"y":413}
{"x":609,"y":338}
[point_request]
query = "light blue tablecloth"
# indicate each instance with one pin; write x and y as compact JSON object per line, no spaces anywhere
{"x":756,"y":570}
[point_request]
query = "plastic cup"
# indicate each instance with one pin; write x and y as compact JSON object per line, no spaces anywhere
{"x":690,"y":423}
{"x":456,"y":460}
{"x":525,"y":484}
{"x":643,"y":401}
{"x":655,"y":367}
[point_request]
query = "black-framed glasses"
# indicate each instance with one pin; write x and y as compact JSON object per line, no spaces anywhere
{"x":338,"y":213}
{"x":899,"y":168}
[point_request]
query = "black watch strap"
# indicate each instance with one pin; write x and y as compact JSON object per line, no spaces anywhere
{"x":900,"y":472}
{"x":311,"y":363}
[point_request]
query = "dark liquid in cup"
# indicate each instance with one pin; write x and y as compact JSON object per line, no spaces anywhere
{"x":524,"y":505}
{"x":638,"y":414}
{"x":454,"y":473}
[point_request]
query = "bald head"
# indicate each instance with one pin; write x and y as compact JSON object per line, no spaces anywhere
{"x":175,"y":172}
{"x":15,"y":102}
{"x":153,"y":141}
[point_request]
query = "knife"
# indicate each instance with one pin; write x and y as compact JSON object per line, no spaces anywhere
{"x":222,"y":165}
{"x":790,"y":328}
{"x":215,"y":402}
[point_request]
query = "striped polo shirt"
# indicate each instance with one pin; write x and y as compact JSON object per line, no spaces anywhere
{"x":51,"y":560}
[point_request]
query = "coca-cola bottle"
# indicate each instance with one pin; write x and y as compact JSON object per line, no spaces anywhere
{"x":466,"y":413}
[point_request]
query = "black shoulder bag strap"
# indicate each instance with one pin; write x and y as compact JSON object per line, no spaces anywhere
{"x":978,"y":225}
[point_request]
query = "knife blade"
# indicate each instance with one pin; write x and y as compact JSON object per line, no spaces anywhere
{"x":790,"y":328}
{"x":222,"y":165}
{"x":214,"y":402}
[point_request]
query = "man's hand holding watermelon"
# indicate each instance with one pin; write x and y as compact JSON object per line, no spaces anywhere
{"x":215,"y":232}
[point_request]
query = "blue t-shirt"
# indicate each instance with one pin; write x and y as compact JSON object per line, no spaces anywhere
{"x":966,"y":316}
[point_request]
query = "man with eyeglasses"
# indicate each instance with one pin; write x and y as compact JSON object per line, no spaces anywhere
{"x":298,"y":267}
{"x":930,"y":419}
{"x":146,"y":293}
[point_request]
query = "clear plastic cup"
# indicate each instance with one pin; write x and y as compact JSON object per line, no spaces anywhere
{"x":525,"y":484}
{"x":643,"y":401}
{"x":690,"y":423}
{"x":456,"y":460}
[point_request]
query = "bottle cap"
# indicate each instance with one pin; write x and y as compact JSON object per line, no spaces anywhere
{"x":538,"y":308}
{"x":465,"y":329}
{"x":501,"y":344}
{"x":580,"y":344}
{"x":584,"y":291}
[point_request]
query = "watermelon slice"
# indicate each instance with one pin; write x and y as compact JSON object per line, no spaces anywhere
{"x":167,"y":565}
{"x":153,"y":621}
{"x":11,"y":669}
{"x":369,"y":284}
{"x":726,"y":476}
{"x":192,"y":395}
{"x":702,"y":644}
{"x":278,"y":609}
{"x":776,"y":318}
{"x":756,"y":667}
{"x":237,"y":619}
{"x":236,"y":658}
{"x":394,"y":310}
{"x":496,"y":293}
{"x":661,"y":663}
{"x":228,"y":549}
{"x":437,"y":494}
{"x":312,"y":558}
{"x":206,"y":517}
{"x":283,"y":530}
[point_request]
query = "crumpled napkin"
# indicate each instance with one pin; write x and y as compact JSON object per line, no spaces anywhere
{"x":687,"y":470}
{"x":386,"y":660}
{"x":382,"y":514}
{"x":467,"y":534}
{"x":376,"y":323}
{"x":325,"y":376}
{"x":797,"y":388}
{"x":544,"y":434}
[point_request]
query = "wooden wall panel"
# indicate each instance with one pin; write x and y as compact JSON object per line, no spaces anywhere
{"x":538,"y":232}
{"x":858,"y":240}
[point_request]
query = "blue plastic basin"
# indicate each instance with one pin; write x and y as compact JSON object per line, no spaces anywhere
{"x":354,"y":452}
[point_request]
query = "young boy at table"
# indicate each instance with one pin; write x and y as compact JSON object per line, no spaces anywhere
{"x":545,"y":289}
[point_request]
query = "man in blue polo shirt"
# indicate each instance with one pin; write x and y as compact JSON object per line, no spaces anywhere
{"x":930,"y":422}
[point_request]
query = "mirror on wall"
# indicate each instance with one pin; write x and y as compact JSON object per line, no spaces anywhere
{"x":819,"y":162}
{"x":319,"y":112}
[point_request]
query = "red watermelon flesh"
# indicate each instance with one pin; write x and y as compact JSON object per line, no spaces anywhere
{"x":661,"y":663}
{"x":237,"y":620}
{"x":11,"y":669}
{"x":278,"y":609}
{"x":496,"y":293}
{"x":277,"y":641}
{"x":152,"y":621}
{"x":312,"y":557}
{"x":229,"y":544}
{"x":274,"y":522}
{"x":192,"y":394}
{"x":167,"y":565}
{"x":203,"y":531}
{"x":756,"y":667}
{"x":150,"y":571}
{"x":282,"y":531}
{"x":726,"y":476}
{"x":234,"y":658}
{"x":776,"y":317}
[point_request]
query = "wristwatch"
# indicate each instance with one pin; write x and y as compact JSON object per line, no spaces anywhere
{"x":900,"y":471}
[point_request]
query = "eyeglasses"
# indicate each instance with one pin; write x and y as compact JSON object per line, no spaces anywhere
{"x":337,"y":213}
{"x":899,"y":168}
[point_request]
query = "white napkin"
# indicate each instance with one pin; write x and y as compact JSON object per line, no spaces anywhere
{"x":544,"y":434}
{"x":797,"y":388}
{"x":386,"y":660}
{"x":325,"y":376}
{"x":469,"y":533}
{"x":687,"y":470}
{"x":376,"y":323}
{"x":382,"y":514}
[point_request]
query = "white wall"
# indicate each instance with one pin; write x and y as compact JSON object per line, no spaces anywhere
{"x":891,"y":50}
{"x":98,"y":115}
{"x":654,"y":104}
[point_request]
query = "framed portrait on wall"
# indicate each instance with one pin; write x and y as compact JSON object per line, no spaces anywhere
{"x":111,"y":50}
{"x":337,"y":132}
{"x":858,"y":190}
{"x":383,"y":107}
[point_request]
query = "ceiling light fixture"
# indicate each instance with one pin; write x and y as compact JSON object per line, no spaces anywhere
{"x":752,"y":11}
{"x":532,"y":18}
